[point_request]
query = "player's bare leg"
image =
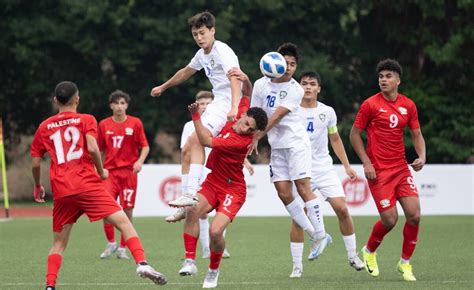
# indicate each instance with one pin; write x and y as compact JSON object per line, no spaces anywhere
{"x":195,"y":151}
{"x":320,"y":239}
{"x":411,"y":208}
{"x":346,"y":226}
{"x":296,"y":247}
{"x":217,"y":246}
{"x":120,"y":220}
{"x":60,"y":241}
{"x":191,"y":235}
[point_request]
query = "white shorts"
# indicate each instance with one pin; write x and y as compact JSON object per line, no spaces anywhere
{"x":215,"y":117}
{"x":327,"y":184}
{"x":324,"y":184}
{"x":290,"y":164}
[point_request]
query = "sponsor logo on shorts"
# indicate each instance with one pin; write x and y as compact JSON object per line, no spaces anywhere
{"x":357,"y":191}
{"x":385,"y":203}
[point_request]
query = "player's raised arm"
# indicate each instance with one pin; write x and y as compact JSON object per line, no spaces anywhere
{"x":95,"y":156}
{"x":241,"y":76}
{"x":204,"y":136}
{"x":236,"y":96}
{"x":179,"y":77}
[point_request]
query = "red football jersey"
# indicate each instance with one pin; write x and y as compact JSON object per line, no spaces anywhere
{"x":228,"y":153}
{"x":385,"y":122}
{"x":63,"y":136}
{"x":121,"y":142}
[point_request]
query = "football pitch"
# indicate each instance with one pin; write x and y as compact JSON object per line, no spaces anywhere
{"x":260,"y":256}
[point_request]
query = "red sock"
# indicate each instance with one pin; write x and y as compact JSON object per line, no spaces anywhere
{"x":376,"y":237}
{"x":410,"y":236}
{"x":109,"y":232}
{"x":54,"y":263}
{"x":215,"y":260}
{"x":123,"y":244}
{"x":190,"y":243}
{"x":136,"y":248}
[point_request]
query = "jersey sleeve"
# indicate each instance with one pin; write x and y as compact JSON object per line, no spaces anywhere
{"x":37,"y":147}
{"x":234,"y":143}
{"x":101,"y":136}
{"x":195,"y":63}
{"x":227,"y":57}
{"x":293,"y":99}
{"x":90,"y":126}
{"x":332,"y":121}
{"x":363,"y":116}
{"x":141,"y":136}
{"x":413,"y":123}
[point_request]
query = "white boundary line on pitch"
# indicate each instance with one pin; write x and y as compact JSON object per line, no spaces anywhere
{"x":199,"y":283}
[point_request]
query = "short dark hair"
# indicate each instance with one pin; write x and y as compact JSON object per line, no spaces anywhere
{"x":311,"y":75}
{"x":260,"y":117}
{"x":64,"y":91}
{"x":290,"y":49}
{"x":204,"y":18}
{"x":117,"y":95}
{"x":390,"y":65}
{"x":204,"y":95}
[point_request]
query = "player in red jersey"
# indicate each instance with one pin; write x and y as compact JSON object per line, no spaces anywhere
{"x":76,"y":175}
{"x":384,"y":116}
{"x":123,"y":140}
{"x":224,"y":188}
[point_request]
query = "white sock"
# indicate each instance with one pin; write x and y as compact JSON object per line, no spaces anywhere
{"x":204,"y":234}
{"x":403,"y":261}
{"x":298,"y":215}
{"x":316,"y":217}
{"x":350,"y":243}
{"x":223,"y":233}
{"x":195,"y":173}
{"x":297,"y":254}
{"x":184,"y":183}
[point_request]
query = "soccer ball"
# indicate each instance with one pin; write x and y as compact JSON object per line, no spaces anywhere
{"x":273,"y":65}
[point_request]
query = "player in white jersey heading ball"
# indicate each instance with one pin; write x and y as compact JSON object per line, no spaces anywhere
{"x":290,"y":147}
{"x":216,"y":58}
{"x":320,"y":122}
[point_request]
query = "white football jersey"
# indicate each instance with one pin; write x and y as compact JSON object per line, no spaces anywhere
{"x":216,"y":65}
{"x":289,"y":132}
{"x":317,"y":121}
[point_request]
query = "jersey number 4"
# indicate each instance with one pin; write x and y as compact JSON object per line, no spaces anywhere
{"x":310,"y":127}
{"x":71,"y":134}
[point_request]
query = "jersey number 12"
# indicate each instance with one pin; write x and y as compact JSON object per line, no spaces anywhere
{"x":71,"y":134}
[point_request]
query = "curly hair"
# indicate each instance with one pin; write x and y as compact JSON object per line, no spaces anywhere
{"x":260,"y":117}
{"x":290,"y":49}
{"x":390,"y":65}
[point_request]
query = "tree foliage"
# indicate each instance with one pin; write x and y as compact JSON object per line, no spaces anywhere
{"x":134,"y":45}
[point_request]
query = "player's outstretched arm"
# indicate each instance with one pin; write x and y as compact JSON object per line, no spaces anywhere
{"x":236,"y":96}
{"x":419,"y":143}
{"x":94,"y":153}
{"x":203,"y":134}
{"x":38,"y":191}
{"x":359,"y":148}
{"x":338,"y":147}
{"x":179,"y":77}
{"x":241,"y":76}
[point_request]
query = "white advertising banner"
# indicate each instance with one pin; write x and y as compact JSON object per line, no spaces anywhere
{"x":443,"y":189}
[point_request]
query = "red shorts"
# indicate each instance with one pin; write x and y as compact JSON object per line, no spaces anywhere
{"x":122,"y":182}
{"x":95,"y":204}
{"x":223,"y":201}
{"x":390,"y":185}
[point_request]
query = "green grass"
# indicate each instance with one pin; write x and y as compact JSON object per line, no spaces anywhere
{"x":260,"y":256}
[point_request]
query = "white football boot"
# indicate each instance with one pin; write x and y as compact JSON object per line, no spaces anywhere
{"x":184,"y":200}
{"x":318,"y":246}
{"x":188,"y":268}
{"x":177,"y":216}
{"x":146,"y":271}
{"x":211,"y":279}
{"x":109,"y":250}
